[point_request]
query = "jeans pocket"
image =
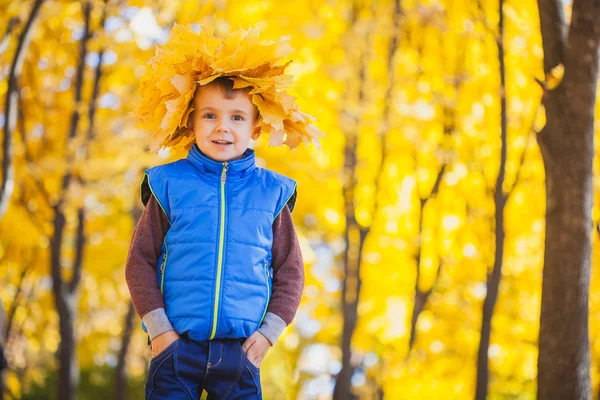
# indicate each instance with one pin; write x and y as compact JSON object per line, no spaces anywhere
{"x":159,"y":366}
{"x":247,"y":361}
{"x":165,"y":352}
{"x":249,"y":381}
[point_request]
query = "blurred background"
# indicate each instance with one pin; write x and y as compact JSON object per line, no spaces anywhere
{"x":396,"y":211}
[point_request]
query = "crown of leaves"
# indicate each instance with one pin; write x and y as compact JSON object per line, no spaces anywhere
{"x":189,"y":59}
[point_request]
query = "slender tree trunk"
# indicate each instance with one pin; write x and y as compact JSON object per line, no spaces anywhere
{"x":355,"y":234}
{"x":65,"y":298}
{"x":567,"y":147}
{"x":493,"y":279}
{"x":121,"y":371}
{"x":449,"y":128}
{"x":12,"y":24}
{"x":421,"y":296}
{"x":7,"y":183}
{"x":15,"y":303}
{"x":354,"y":237}
{"x":66,"y":293}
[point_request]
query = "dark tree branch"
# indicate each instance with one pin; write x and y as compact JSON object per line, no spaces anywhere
{"x":554,"y":32}
{"x":393,"y":49}
{"x":493,"y":280}
{"x":97,"y":77}
{"x":524,"y":154}
{"x":7,"y":183}
{"x":76,"y":114}
{"x":80,"y":240}
{"x":12,"y":23}
{"x":15,"y":303}
{"x":35,"y":220}
{"x":81,"y":214}
{"x":421,"y":297}
{"x":28,"y":156}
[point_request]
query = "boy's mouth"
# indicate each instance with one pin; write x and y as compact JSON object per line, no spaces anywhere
{"x":222,"y":142}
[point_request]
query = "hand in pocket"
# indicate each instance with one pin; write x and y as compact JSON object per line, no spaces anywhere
{"x":256,"y":347}
{"x":163,"y":341}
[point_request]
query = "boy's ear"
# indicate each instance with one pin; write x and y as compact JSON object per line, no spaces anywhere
{"x":257,"y":124}
{"x":190,"y":122}
{"x":257,"y":131}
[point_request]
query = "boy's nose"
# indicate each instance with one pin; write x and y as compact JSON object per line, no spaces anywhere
{"x":222,"y":127}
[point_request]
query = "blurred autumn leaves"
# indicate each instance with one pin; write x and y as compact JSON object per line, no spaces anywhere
{"x":396,"y":211}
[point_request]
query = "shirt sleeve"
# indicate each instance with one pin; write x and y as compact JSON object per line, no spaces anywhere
{"x":288,"y":268}
{"x":142,"y":260}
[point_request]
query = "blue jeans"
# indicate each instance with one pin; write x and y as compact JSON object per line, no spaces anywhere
{"x":186,"y":367}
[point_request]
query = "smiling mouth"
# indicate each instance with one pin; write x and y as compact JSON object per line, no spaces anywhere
{"x":222,"y":142}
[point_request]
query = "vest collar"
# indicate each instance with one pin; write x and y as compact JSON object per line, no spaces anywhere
{"x":236,"y":169}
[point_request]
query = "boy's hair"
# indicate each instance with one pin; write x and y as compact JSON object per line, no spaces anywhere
{"x":226,"y":85}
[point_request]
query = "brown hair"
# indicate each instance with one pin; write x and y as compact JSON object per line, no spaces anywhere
{"x":226,"y":85}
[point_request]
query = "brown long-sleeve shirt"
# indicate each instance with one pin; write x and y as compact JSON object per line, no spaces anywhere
{"x":145,"y":248}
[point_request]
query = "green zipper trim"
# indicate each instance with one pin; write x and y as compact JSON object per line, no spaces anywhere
{"x":163,"y":266}
{"x":268,"y":293}
{"x":220,"y":260}
{"x":284,"y":204}
{"x":156,"y":197}
{"x":164,"y":263}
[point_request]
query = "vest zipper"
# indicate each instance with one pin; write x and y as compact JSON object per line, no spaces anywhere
{"x":220,"y":259}
{"x":266,"y":268}
{"x":162,"y":267}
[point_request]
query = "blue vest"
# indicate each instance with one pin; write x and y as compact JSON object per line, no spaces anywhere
{"x":215,"y":265}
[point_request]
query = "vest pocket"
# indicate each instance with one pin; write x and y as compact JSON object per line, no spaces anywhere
{"x":268,"y":276}
{"x":163,"y":265}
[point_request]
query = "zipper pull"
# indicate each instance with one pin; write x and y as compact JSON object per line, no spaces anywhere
{"x":225,"y":167}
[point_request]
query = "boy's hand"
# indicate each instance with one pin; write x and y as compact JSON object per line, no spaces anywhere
{"x":256,"y":347}
{"x":163,"y":341}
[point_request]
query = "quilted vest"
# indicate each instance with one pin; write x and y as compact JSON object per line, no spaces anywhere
{"x":215,"y":265}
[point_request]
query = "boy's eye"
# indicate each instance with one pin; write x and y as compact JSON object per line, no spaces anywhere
{"x":238,"y":118}
{"x":209,"y":115}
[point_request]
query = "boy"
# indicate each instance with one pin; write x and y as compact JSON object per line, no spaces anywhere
{"x":214,"y":267}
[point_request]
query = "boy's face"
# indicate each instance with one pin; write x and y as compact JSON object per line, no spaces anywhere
{"x":222,"y":127}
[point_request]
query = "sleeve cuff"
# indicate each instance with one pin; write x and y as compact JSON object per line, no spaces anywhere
{"x":272,"y":327}
{"x":157,"y":322}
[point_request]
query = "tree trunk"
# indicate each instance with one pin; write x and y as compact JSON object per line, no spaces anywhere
{"x":7,"y":184}
{"x":65,"y":298}
{"x":355,"y":234}
{"x":65,"y":293}
{"x":121,"y":371}
{"x":493,"y":279}
{"x":15,"y":303}
{"x":567,"y":146}
{"x":354,"y":238}
{"x":421,"y":296}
